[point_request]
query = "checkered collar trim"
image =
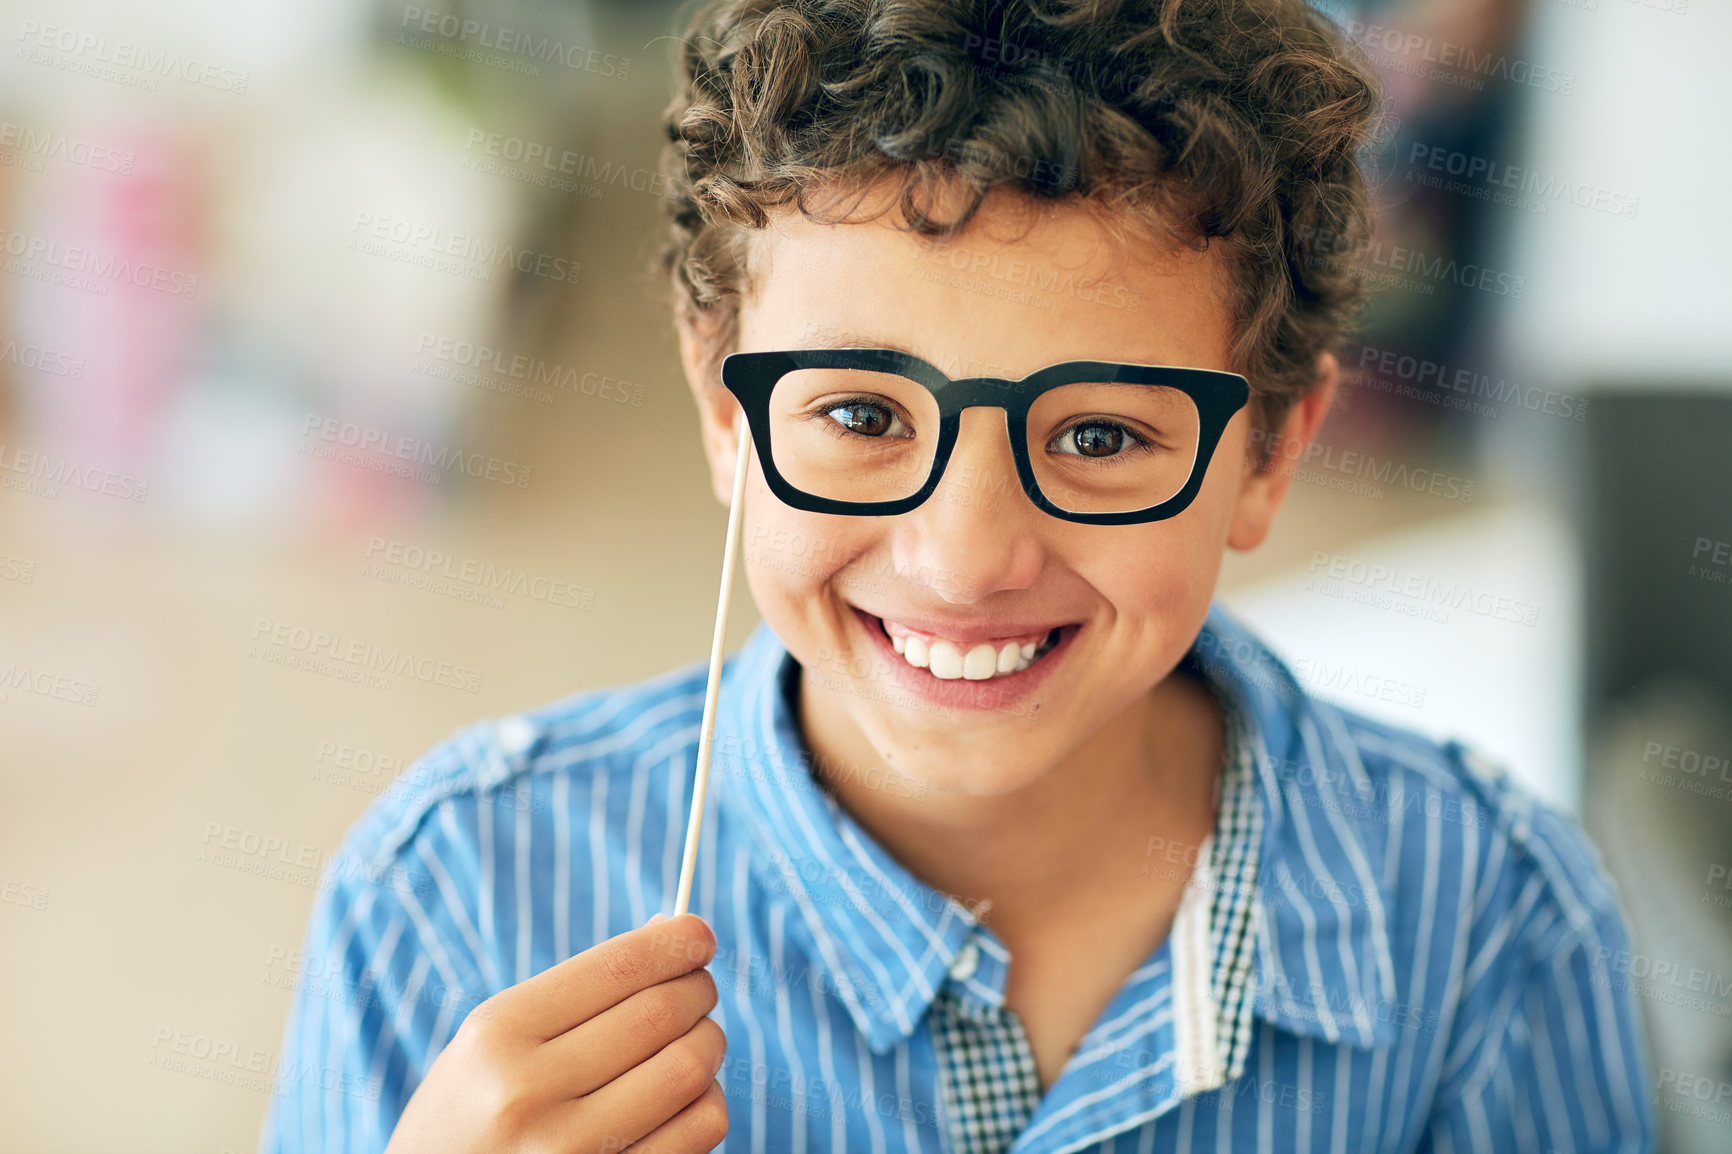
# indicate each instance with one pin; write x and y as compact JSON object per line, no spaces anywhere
{"x":1230,"y":896}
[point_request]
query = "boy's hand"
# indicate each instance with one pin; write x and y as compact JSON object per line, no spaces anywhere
{"x":609,"y":1048}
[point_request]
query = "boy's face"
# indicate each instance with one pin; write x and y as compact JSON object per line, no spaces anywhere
{"x":977,"y":564}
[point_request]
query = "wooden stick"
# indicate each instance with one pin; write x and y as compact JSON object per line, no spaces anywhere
{"x":694,"y":826}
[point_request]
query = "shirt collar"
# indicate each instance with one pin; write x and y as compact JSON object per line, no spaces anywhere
{"x":1323,"y":966}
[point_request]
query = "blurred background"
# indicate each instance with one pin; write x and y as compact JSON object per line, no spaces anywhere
{"x":326,"y":325}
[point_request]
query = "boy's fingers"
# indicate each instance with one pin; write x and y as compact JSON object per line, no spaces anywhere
{"x":604,"y":975}
{"x":699,"y":1127}
{"x":647,"y":1095}
{"x":594,"y":1053}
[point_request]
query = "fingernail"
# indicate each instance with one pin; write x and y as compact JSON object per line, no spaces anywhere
{"x":656,"y":917}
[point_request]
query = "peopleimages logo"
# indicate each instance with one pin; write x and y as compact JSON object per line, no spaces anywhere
{"x":459,"y":253}
{"x":42,"y":473}
{"x":418,"y":455}
{"x":283,"y":643}
{"x":1447,"y":61}
{"x":49,"y":361}
{"x":99,"y":55}
{"x":1446,"y":594}
{"x":29,"y":252}
{"x":1380,"y":264}
{"x":547,"y":161}
{"x":1480,"y":173}
{"x":43,"y":144}
{"x":1431,"y":378}
{"x":59,"y":686}
{"x":1042,"y":279}
{"x":1626,"y":968}
{"x":1310,"y":462}
{"x":456,"y":30}
{"x":523,"y":367}
{"x":414,"y":565}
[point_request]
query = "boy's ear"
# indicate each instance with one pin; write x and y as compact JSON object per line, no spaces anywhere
{"x":718,"y":411}
{"x":1262,"y":491}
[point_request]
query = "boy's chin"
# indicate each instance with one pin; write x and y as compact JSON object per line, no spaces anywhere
{"x":938,"y":772}
{"x":952,"y":781}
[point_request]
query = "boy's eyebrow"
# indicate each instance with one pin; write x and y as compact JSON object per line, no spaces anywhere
{"x":836,"y":337}
{"x":830,"y":336}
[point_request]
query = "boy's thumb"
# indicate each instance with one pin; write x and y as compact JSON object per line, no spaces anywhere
{"x":657,"y":917}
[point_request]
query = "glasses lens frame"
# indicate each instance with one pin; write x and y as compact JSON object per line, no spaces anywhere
{"x":751,"y":377}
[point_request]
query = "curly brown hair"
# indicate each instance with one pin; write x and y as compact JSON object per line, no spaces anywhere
{"x":1237,"y":119}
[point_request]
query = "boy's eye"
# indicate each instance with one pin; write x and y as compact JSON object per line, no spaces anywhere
{"x":1093,"y":439}
{"x":868,"y":419}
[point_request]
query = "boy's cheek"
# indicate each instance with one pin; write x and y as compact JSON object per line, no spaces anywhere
{"x":796,"y":551}
{"x":793,"y":566}
{"x":1160,"y":583}
{"x":1159,"y":570}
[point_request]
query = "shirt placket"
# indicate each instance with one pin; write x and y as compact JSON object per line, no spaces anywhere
{"x":991,"y":1084}
{"x":986,"y":1066}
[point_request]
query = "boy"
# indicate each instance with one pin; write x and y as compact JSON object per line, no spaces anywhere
{"x":1013,"y":841}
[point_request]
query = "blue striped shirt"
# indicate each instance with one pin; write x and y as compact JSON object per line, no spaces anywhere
{"x":1429,"y":964}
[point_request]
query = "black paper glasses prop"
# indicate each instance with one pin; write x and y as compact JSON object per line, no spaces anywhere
{"x":868,"y":432}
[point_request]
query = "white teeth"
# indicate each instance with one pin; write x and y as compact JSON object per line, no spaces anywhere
{"x":945,"y":662}
{"x":981,"y":662}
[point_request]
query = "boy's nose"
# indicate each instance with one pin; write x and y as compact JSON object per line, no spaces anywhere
{"x":974,"y":534}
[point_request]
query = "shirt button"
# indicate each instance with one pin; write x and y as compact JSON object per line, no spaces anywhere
{"x":967,"y":959}
{"x":515,"y":734}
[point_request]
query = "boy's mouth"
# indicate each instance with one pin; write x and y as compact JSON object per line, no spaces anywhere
{"x":950,"y":659}
{"x":982,"y":661}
